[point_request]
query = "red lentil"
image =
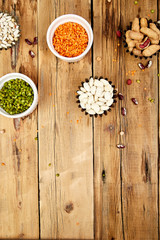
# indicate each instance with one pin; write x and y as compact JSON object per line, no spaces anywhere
{"x":70,"y":39}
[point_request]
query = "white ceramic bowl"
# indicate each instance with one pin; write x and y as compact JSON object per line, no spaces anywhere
{"x":69,"y":18}
{"x":10,"y":76}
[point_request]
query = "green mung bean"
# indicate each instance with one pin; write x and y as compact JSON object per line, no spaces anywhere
{"x":16,"y":96}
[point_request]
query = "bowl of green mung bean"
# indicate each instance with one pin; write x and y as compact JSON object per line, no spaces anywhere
{"x":18,"y":95}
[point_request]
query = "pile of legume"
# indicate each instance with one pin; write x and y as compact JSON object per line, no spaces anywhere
{"x":16,"y":96}
{"x":70,"y":39}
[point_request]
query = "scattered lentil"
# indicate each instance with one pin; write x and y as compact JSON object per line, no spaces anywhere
{"x":36,"y":138}
{"x":135,"y":2}
{"x":131,"y":73}
{"x":138,"y":81}
{"x":49,"y":164}
{"x":151,"y":100}
{"x":152,"y":10}
{"x":3,"y":164}
{"x":57,"y":174}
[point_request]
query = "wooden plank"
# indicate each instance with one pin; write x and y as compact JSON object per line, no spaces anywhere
{"x":158,"y":80}
{"x":65,"y":136}
{"x":136,"y":194}
{"x":19,"y":175}
{"x":139,"y":159}
{"x":108,"y":216}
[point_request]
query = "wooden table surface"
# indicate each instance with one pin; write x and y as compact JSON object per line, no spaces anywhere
{"x":73,"y":183}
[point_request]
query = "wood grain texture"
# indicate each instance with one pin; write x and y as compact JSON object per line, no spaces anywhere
{"x":132,"y":174}
{"x":108,"y":216}
{"x":139,"y":159}
{"x":65,"y":136}
{"x":158,"y":164}
{"x":88,"y":189}
{"x":19,"y":175}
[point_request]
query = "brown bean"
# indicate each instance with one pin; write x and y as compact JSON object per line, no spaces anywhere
{"x":120,"y":146}
{"x":134,"y":100}
{"x":144,"y":44}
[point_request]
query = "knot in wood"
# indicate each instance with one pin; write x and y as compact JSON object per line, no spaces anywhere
{"x":69,"y":207}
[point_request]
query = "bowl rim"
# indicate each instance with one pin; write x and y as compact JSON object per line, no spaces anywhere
{"x":25,"y":78}
{"x":89,"y":43}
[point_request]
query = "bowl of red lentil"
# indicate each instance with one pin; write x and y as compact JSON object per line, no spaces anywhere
{"x":70,"y":37}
